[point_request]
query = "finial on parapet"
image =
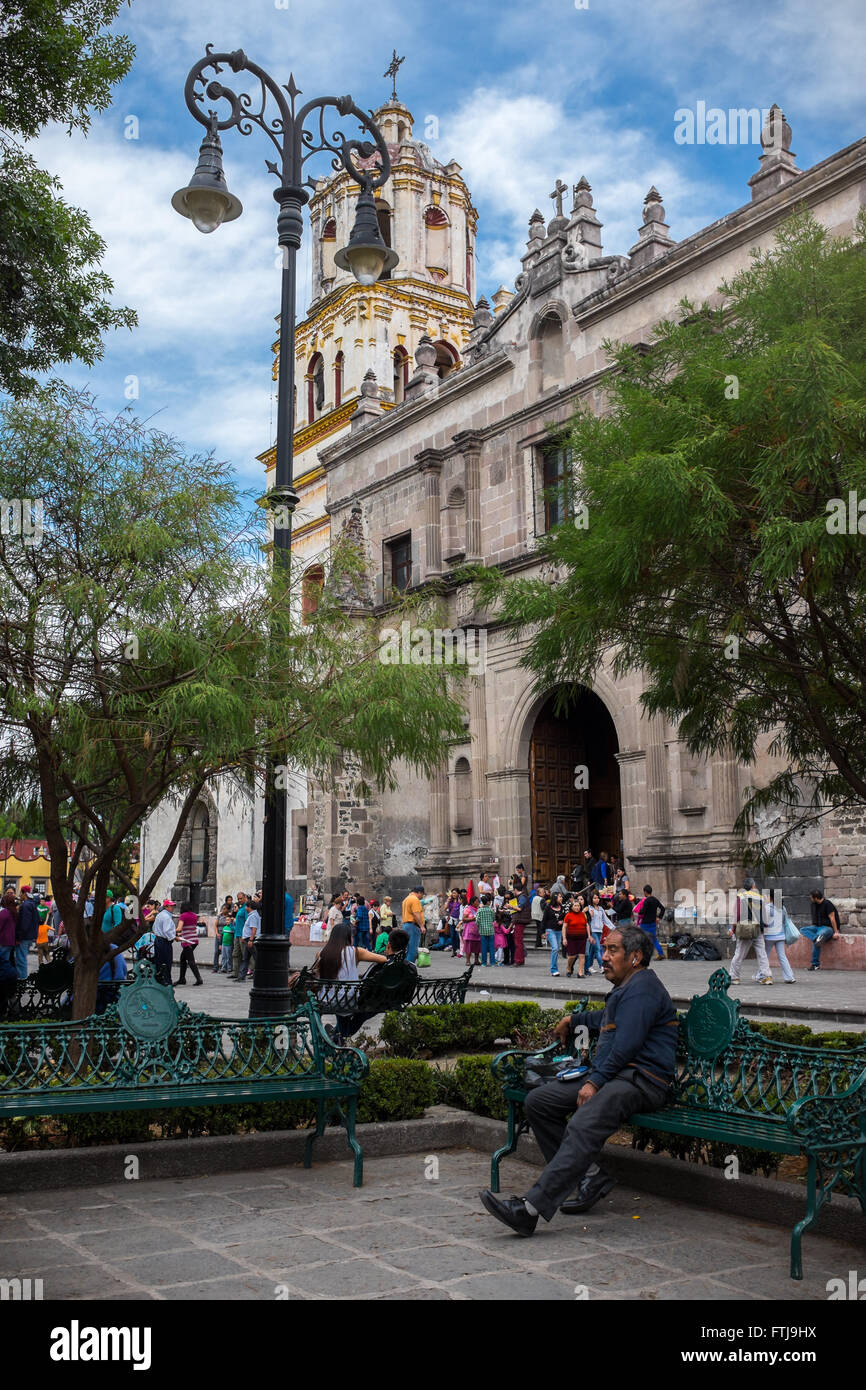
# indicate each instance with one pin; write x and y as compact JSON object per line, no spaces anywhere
{"x":654,"y":238}
{"x":776,"y":166}
{"x":369,"y":406}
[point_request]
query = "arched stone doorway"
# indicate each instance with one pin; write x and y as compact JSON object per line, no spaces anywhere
{"x":571,"y":809}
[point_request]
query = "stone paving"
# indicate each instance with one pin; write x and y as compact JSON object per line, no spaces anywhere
{"x":296,"y":1234}
{"x":816,"y":994}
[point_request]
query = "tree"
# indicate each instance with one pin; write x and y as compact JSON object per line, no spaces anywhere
{"x":145,"y":648}
{"x":57,"y":63}
{"x":709,"y":552}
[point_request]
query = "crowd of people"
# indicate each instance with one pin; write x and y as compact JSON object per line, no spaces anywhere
{"x":484,"y":923}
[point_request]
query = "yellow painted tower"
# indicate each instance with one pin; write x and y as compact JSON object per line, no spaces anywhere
{"x":426,"y":215}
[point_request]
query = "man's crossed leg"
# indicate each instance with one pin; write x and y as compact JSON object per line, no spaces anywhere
{"x":571,"y":1141}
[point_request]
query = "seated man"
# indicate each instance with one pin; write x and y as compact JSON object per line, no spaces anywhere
{"x":631,"y":1070}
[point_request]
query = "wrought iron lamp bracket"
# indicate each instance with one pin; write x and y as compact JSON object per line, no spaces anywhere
{"x":287,"y":129}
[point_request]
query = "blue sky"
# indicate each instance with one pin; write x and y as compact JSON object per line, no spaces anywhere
{"x":523,"y":94}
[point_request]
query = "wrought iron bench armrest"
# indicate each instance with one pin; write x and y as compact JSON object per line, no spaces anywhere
{"x":831,"y":1121}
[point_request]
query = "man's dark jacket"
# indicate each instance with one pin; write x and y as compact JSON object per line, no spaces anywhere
{"x":28,"y":921}
{"x":638,"y":1028}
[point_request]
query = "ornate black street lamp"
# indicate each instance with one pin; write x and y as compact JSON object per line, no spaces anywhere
{"x":208,"y":202}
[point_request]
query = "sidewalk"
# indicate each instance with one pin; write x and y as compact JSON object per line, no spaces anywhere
{"x":824,"y":1000}
{"x":309,"y":1235}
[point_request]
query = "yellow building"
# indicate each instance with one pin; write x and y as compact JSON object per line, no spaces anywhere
{"x":25,"y":862}
{"x":426,"y":215}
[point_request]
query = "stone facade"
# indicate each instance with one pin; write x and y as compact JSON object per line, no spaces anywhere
{"x":459,"y":466}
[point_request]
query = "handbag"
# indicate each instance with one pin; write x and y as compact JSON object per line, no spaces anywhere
{"x":747,"y":931}
{"x":792,"y":931}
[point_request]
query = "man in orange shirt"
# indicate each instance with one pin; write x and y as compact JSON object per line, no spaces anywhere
{"x":413,"y":920}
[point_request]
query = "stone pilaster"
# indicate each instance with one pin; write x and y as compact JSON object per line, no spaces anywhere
{"x":430,"y":463}
{"x":658,"y":793}
{"x":469,"y":443}
{"x":726,"y":791}
{"x":440,"y":836}
{"x":478,"y":732}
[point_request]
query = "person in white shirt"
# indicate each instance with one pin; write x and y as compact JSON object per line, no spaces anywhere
{"x":251,"y":928}
{"x":774,"y":935}
{"x":164,"y":936}
{"x":536,"y":912}
{"x":335,"y":914}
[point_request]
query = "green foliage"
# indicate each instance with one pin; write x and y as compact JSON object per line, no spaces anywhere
{"x":434,"y":1029}
{"x":471,"y":1085}
{"x":137,"y":668}
{"x":696,"y":1150}
{"x":802,"y":1034}
{"x":394,"y":1089}
{"x":57,"y":63}
{"x":724,"y":446}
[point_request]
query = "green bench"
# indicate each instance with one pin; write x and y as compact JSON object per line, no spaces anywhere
{"x":148,"y":1051}
{"x":385,"y":987}
{"x":734,"y":1086}
{"x":43,"y":993}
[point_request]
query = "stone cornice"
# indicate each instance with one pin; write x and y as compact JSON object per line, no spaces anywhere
{"x":453,"y":302}
{"x":454,"y":386}
{"x":430,"y":460}
{"x":734,"y":229}
{"x":325,"y":425}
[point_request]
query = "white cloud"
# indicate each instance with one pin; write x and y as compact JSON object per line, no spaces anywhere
{"x":514,"y":148}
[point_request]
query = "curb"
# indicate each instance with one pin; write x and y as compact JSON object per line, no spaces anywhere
{"x":441,"y":1127}
{"x":753,"y":1198}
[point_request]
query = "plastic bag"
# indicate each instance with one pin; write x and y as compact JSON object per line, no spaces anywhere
{"x":792,"y":931}
{"x":423,"y":958}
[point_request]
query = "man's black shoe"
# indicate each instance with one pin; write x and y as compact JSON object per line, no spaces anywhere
{"x":591,"y":1190}
{"x":511,"y":1211}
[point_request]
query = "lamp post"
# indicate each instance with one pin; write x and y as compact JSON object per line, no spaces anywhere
{"x":207,"y":202}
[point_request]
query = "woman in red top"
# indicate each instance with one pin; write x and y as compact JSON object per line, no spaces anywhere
{"x":188,"y":932}
{"x":574,"y":931}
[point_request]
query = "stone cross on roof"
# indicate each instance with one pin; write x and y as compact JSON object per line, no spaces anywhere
{"x":557,"y":193}
{"x":391,"y":71}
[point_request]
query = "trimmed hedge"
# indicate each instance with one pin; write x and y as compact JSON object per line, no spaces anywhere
{"x":394,"y":1089}
{"x":438,"y":1028}
{"x":804,"y":1036}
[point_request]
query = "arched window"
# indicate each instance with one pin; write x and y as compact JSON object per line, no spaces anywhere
{"x":312,"y":585}
{"x":437,"y":253}
{"x":401,"y":374}
{"x":329,"y":247}
{"x":315,"y":386}
{"x":338,"y":379}
{"x":199,"y":845}
{"x":552,"y":360}
{"x":401,"y":132}
{"x":447,"y":359}
{"x":383,"y":217}
{"x":462,"y":797}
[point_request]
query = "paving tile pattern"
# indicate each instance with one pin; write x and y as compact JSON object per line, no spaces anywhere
{"x":287,"y":1233}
